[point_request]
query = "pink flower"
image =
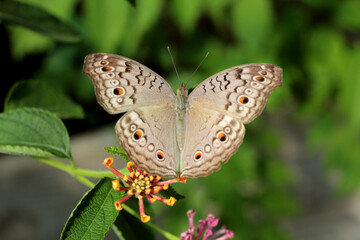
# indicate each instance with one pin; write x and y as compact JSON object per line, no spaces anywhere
{"x":205,"y":229}
{"x":141,"y":185}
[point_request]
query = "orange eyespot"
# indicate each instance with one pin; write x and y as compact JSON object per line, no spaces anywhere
{"x":221,"y":136}
{"x":106,"y":69}
{"x":118,"y":91}
{"x":263,"y":72}
{"x":198,"y":155}
{"x":138,"y":134}
{"x":160,"y":155}
{"x":243,"y":100}
{"x":260,"y":79}
{"x":103,"y":62}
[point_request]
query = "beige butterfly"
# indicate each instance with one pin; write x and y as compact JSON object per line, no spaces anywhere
{"x":164,"y":133}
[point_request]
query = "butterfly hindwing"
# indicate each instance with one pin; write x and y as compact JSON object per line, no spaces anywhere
{"x":211,"y":139}
{"x":148,"y":137}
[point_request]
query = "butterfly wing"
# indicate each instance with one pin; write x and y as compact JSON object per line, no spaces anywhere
{"x":147,"y":134}
{"x":122,"y":84}
{"x":218,"y":107}
{"x":241,"y":91}
{"x":211,"y":138}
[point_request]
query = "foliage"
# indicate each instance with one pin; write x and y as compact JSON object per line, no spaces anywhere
{"x":315,"y":42}
{"x":94,"y":215}
{"x":117,"y":151}
{"x":37,"y":19}
{"x":34,"y":132}
{"x":41,"y":95}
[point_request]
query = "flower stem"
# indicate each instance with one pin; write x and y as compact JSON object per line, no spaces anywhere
{"x":73,"y":170}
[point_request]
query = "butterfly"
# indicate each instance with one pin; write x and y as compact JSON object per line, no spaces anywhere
{"x":164,"y":133}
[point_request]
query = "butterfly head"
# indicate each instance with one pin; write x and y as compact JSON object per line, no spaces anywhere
{"x":182,"y":90}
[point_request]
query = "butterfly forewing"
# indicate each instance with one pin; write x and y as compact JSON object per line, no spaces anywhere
{"x":122,"y":84}
{"x":240,"y":91}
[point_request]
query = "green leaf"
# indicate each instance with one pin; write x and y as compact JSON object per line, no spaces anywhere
{"x":144,"y":16}
{"x":37,"y":19}
{"x":41,"y":95}
{"x":352,"y":100}
{"x":321,"y":4}
{"x":170,"y":192}
{"x":347,"y":14}
{"x":106,"y":23}
{"x":132,"y":2}
{"x":325,"y":47}
{"x":25,"y":41}
{"x":275,"y":202}
{"x":186,"y":13}
{"x":342,"y":153}
{"x":277,"y":174}
{"x":252,"y":21}
{"x":117,"y":151}
{"x":33,"y":132}
{"x":130,"y":227}
{"x":95,"y":213}
{"x":217,"y":10}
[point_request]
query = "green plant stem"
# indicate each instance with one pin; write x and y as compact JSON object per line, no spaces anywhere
{"x":163,"y":232}
{"x":81,"y":174}
{"x":74,"y":171}
{"x":85,"y":181}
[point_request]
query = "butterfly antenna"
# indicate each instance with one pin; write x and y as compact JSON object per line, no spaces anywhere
{"x":207,"y":54}
{"x":173,"y":62}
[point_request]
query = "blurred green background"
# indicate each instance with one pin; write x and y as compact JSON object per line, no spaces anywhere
{"x":307,"y":137}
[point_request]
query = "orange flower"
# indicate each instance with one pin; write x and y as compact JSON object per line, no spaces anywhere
{"x":141,"y":185}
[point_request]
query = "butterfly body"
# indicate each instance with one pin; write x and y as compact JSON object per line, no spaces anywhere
{"x":182,"y":106}
{"x":164,"y":133}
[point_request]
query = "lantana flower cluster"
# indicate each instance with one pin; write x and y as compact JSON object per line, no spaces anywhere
{"x":140,"y":184}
